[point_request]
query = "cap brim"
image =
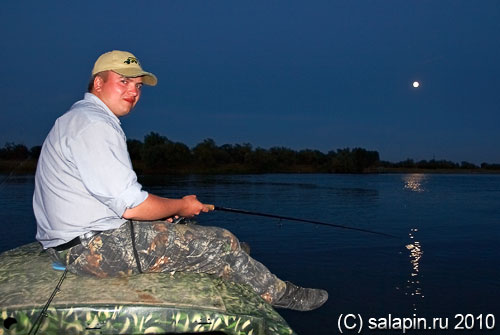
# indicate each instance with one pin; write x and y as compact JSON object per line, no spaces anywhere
{"x":147,"y":77}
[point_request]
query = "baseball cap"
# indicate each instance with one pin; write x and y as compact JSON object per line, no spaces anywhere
{"x":125,"y":64}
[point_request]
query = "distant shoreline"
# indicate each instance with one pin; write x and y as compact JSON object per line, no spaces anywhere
{"x":28,"y":167}
{"x":436,"y":171}
{"x":157,"y":155}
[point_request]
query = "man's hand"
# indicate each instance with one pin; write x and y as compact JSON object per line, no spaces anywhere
{"x":172,"y":219}
{"x":191,"y":207}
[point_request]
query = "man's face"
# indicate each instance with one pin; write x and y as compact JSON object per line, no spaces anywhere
{"x":119,"y":93}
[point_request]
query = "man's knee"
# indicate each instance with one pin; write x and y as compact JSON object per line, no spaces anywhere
{"x":232,"y":239}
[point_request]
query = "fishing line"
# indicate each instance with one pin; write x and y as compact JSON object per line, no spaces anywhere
{"x":242,"y":211}
{"x":4,"y":181}
{"x":43,"y":314}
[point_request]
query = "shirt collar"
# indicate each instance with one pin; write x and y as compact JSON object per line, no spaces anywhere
{"x":93,"y":98}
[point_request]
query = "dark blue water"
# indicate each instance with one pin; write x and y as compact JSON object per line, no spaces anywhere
{"x":445,"y":261}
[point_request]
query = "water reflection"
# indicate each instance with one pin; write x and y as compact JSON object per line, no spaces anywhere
{"x":413,"y":289}
{"x":413,"y":182}
{"x":413,"y":286}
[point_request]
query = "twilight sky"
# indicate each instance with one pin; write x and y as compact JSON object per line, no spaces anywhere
{"x":301,"y":74}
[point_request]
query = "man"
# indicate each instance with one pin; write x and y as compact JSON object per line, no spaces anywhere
{"x":93,"y":215}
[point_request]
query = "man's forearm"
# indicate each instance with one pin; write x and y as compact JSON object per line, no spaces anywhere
{"x":155,"y":208}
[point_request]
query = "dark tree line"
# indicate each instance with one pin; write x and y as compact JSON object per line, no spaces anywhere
{"x":12,"y":151}
{"x":157,"y":154}
{"x":438,"y":164}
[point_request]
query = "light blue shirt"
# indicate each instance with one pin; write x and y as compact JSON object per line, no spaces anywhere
{"x":84,"y":179}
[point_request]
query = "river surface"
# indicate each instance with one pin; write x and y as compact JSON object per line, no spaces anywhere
{"x":444,"y":261}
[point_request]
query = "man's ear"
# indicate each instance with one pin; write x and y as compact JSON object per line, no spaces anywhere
{"x":98,"y":81}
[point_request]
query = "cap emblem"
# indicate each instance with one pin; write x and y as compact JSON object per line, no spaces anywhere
{"x":131,"y":60}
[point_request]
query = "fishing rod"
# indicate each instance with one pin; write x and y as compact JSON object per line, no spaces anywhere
{"x":242,"y":211}
{"x":43,"y":313}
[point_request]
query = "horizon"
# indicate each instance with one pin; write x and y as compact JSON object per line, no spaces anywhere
{"x":335,"y":150}
{"x":323,"y":76}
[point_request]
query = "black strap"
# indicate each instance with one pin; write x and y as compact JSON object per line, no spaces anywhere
{"x":67,"y":245}
{"x":136,"y":254}
{"x":77,"y":240}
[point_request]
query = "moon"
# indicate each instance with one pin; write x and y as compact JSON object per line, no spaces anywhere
{"x":416,"y":84}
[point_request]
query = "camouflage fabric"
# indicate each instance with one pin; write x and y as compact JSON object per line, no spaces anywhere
{"x":168,"y":247}
{"x":151,"y":303}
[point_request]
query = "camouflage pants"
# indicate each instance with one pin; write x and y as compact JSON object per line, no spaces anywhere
{"x":165,"y":247}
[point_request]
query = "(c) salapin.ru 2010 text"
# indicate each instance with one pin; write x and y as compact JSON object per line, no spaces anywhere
{"x":354,"y":322}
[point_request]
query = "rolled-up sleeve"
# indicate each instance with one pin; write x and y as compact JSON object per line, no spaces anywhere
{"x":100,"y":155}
